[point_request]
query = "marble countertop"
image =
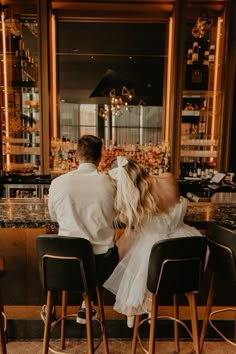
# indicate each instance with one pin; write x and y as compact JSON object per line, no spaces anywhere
{"x":33,"y":213}
{"x":25,"y":213}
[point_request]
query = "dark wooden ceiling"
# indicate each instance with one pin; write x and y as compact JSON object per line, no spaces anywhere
{"x":116,"y":10}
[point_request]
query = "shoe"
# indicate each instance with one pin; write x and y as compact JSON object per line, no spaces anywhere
{"x":81,"y":316}
{"x":130,"y":321}
{"x":53,"y":314}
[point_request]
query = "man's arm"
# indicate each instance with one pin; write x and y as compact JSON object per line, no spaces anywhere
{"x":51,"y":209}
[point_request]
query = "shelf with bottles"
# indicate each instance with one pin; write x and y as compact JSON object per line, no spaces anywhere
{"x":20,"y":150}
{"x":200,"y":64}
{"x":201,"y":95}
{"x":198,"y":142}
{"x":198,"y":153}
{"x":155,"y":158}
{"x":19,"y":100}
{"x":25,"y":69}
{"x":197,"y":169}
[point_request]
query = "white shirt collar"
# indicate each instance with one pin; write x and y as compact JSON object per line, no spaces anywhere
{"x":87,"y":167}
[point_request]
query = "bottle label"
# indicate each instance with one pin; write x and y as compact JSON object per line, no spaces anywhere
{"x":196,"y":76}
{"x":202,"y":127}
{"x":211,"y":58}
{"x":195,"y":57}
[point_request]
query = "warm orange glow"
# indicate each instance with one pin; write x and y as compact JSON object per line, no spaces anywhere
{"x":216,"y":78}
{"x":53,"y":78}
{"x":5,"y":87}
{"x":168,"y":83}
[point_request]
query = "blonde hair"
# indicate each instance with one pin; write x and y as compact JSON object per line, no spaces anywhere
{"x":139,"y":202}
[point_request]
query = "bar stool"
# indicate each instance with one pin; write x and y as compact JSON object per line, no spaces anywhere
{"x":68,"y":264}
{"x":175,"y":267}
{"x":3,"y":349}
{"x":222,"y":265}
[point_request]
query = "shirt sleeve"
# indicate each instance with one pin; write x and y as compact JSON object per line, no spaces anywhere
{"x":51,"y":209}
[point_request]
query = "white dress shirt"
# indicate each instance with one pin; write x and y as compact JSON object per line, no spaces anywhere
{"x":81,"y":202}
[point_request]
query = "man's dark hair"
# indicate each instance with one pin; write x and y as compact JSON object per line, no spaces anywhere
{"x":90,"y":148}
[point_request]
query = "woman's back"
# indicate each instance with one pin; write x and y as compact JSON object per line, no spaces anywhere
{"x":165,"y":191}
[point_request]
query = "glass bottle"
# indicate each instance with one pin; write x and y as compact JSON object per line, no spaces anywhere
{"x":195,"y":55}
{"x":212,"y":53}
{"x":189,"y":57}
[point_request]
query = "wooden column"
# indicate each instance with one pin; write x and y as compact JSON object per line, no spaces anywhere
{"x":177,"y":84}
{"x":44,"y":67}
{"x":229,"y":67}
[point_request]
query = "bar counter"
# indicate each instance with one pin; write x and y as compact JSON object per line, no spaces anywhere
{"x":33,"y":213}
{"x":22,"y":220}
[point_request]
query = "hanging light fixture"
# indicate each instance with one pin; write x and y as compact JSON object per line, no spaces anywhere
{"x":202,"y":25}
{"x":14,"y":26}
{"x":117,"y":102}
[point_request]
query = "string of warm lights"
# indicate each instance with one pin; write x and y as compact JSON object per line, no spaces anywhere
{"x":117,"y":102}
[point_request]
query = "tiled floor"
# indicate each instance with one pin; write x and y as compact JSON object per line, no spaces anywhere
{"x":120,"y":347}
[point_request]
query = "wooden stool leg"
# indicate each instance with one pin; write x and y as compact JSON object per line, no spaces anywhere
{"x":135,"y":333}
{"x":151,"y":347}
{"x":176,"y":325}
{"x":89,"y":326}
{"x":207,"y":310}
{"x":194,"y":321}
{"x":235,"y":326}
{"x":46,"y":335}
{"x":102,"y":319}
{"x":3,"y":349}
{"x":63,"y":314}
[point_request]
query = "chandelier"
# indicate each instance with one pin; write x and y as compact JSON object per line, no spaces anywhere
{"x":117,"y":102}
{"x":202,"y":25}
{"x":13,"y":25}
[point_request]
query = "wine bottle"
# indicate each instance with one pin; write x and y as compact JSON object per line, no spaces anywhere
{"x":206,"y":57}
{"x":195,"y":55}
{"x":202,"y":125}
{"x":212,"y":53}
{"x":189,"y":57}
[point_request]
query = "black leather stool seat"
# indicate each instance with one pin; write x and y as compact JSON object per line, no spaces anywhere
{"x":68,"y":264}
{"x":176,"y":266}
{"x":222,"y":265}
{"x":3,"y":349}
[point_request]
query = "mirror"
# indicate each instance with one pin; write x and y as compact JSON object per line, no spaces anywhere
{"x":98,"y":62}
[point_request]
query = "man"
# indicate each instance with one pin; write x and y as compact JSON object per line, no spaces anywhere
{"x":81,"y":202}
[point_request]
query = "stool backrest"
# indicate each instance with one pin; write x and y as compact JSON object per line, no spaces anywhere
{"x":222,"y":245}
{"x":176,"y":265}
{"x":2,"y":266}
{"x":66,"y":263}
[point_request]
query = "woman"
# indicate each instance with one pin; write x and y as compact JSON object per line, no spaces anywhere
{"x":151,"y":209}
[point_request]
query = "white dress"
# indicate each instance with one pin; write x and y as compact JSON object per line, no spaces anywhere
{"x":129,"y":278}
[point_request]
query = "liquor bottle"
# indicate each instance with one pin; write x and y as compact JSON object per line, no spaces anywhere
{"x":190,"y":172}
{"x":189,"y":57}
{"x":202,"y":125}
{"x":199,"y":170}
{"x":195,"y":170}
{"x":212,"y":53}
{"x":195,"y":55}
{"x":206,"y":57}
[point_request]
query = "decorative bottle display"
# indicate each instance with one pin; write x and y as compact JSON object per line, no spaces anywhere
{"x":202,"y":98}
{"x":19,"y":100}
{"x":197,"y":169}
{"x":155,"y":158}
{"x":25,"y":73}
